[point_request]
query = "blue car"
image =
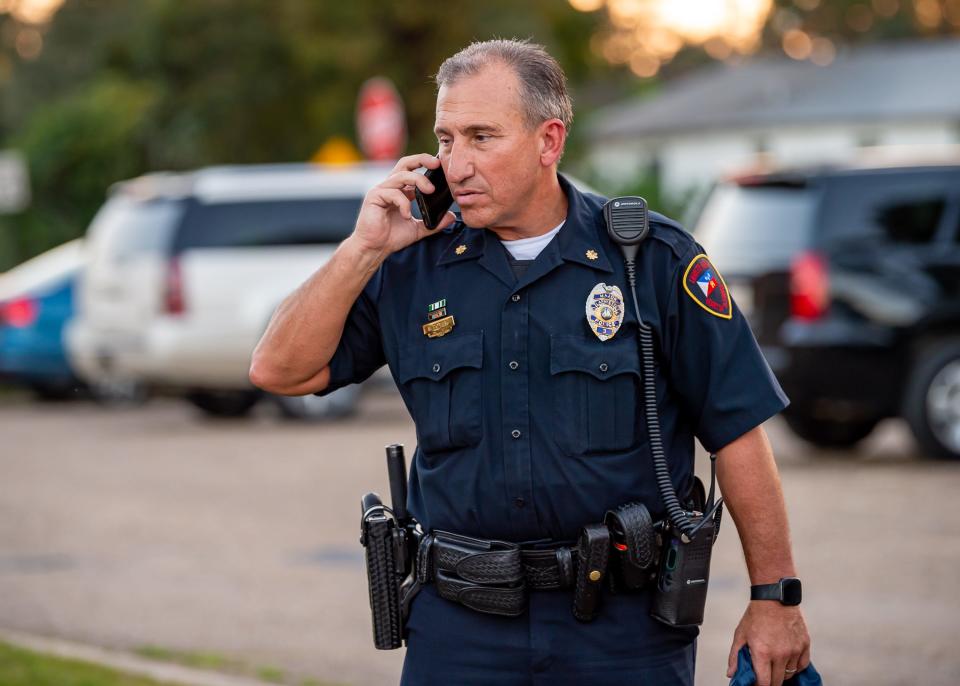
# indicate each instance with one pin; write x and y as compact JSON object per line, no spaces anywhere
{"x":36,"y":301}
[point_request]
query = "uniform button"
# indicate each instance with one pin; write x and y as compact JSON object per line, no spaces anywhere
{"x":603,"y":367}
{"x":515,"y":297}
{"x":519,"y":502}
{"x":514,"y":364}
{"x":515,"y":433}
{"x":436,"y":367}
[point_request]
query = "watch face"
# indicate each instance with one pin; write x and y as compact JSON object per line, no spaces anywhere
{"x":791,"y":591}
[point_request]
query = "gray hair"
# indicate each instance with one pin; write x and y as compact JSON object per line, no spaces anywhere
{"x":543,"y":85}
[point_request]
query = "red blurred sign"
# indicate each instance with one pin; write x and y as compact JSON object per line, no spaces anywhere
{"x":381,"y":123}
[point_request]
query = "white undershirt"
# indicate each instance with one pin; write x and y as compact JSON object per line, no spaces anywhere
{"x":529,"y":248}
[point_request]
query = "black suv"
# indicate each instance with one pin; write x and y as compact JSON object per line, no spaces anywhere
{"x":850,"y":279}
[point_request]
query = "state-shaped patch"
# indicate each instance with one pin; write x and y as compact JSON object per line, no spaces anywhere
{"x":703,"y":283}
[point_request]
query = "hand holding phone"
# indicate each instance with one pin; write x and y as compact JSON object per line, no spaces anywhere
{"x":434,"y":206}
{"x":387,"y":222}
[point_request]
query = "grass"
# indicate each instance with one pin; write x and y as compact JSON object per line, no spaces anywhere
{"x":221,"y":663}
{"x":198,"y":659}
{"x":19,"y":667}
{"x":272,"y":675}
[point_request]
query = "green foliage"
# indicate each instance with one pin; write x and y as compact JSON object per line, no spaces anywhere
{"x":76,"y":146}
{"x":24,"y":668}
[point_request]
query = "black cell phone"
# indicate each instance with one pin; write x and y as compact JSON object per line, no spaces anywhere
{"x":433,"y":206}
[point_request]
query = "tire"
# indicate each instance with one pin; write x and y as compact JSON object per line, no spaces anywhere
{"x":829,"y":434}
{"x":224,"y":403}
{"x":57,"y":391}
{"x":932,"y":401}
{"x":311,"y":408}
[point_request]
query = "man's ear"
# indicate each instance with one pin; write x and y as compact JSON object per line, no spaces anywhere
{"x":552,"y":135}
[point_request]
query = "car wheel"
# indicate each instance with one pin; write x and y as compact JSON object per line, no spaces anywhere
{"x":829,"y":434}
{"x":224,"y":403}
{"x":57,"y":391}
{"x":340,"y":403}
{"x":932,"y":400}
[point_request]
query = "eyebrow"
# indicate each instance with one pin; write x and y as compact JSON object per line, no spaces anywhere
{"x":472,"y":128}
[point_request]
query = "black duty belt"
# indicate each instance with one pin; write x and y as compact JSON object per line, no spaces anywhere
{"x":495,"y":576}
{"x":626,"y":552}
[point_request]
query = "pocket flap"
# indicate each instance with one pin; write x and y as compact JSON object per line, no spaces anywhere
{"x":434,"y":358}
{"x":601,"y":359}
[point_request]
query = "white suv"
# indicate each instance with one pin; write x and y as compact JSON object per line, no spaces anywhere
{"x":185,"y":271}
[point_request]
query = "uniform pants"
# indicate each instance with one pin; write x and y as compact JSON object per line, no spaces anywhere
{"x":451,"y":645}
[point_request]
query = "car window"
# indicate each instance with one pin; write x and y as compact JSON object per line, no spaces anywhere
{"x":892,"y":208}
{"x":125,"y":227}
{"x":262,"y":223}
{"x":914,"y":220}
{"x":751,"y":229}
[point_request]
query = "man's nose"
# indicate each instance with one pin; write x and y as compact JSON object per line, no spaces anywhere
{"x":458,"y":166}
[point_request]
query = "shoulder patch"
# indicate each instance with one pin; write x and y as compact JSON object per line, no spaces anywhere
{"x":706,"y":287}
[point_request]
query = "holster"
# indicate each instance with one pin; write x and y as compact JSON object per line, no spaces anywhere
{"x":593,"y":551}
{"x":634,"y":545}
{"x":680,"y":595}
{"x":386,"y":550}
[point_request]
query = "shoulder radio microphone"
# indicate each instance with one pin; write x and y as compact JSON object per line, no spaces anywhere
{"x":627,"y":223}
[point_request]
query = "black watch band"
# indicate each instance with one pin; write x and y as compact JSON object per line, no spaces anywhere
{"x":787,"y":591}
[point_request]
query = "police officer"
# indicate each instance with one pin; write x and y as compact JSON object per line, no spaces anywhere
{"x":528,"y":416}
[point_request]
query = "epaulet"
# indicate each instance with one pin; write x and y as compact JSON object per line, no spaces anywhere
{"x":666,"y":230}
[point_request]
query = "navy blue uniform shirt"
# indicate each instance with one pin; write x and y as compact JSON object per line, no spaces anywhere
{"x":528,"y":425}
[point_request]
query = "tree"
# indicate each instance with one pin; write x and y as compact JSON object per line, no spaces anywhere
{"x":125,"y":87}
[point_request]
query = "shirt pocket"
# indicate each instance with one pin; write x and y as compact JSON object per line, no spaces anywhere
{"x":596,"y":393}
{"x":443,"y":380}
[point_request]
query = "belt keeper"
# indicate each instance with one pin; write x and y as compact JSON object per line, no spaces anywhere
{"x":565,"y":566}
{"x":425,"y":559}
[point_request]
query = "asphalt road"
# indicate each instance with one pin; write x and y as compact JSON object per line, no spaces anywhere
{"x":153,"y":526}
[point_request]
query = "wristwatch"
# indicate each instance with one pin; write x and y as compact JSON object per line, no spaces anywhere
{"x":787,"y":591}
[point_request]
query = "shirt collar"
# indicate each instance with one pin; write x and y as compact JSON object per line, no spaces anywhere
{"x":578,"y":239}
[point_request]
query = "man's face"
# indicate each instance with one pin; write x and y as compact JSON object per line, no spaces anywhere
{"x":489,"y":155}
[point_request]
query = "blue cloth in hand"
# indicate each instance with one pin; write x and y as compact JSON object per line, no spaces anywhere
{"x":745,"y":676}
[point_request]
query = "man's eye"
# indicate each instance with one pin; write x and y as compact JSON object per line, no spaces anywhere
{"x":444,"y":141}
{"x":481,"y":138}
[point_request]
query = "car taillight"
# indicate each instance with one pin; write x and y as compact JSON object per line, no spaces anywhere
{"x":19,"y":313}
{"x":173,"y":297}
{"x":809,"y":286}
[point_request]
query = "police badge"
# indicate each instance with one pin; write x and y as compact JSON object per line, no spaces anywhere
{"x":605,"y":310}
